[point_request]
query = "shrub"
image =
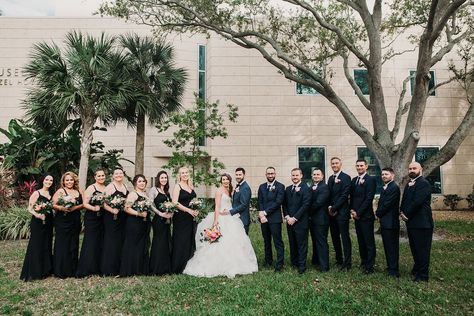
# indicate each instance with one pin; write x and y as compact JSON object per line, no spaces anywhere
{"x":452,"y":200}
{"x":15,"y":224}
{"x":7,"y":177}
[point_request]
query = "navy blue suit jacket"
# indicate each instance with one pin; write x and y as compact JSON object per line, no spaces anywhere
{"x":416,"y":204}
{"x":339,"y":195}
{"x":362,"y":196}
{"x":271,"y":201}
{"x":388,"y":207}
{"x":297,"y":203}
{"x":241,"y":203}
{"x":319,"y":204}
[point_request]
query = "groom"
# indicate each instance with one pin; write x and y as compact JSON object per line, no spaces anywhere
{"x":241,"y":199}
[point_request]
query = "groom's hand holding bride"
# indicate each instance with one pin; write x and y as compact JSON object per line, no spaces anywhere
{"x":224,"y":212}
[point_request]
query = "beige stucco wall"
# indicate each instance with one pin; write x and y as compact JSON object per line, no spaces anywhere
{"x":273,"y":120}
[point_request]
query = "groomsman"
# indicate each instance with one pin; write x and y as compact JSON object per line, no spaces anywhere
{"x":339,"y":187}
{"x":241,"y":199}
{"x":387,"y":213}
{"x":295,"y":210}
{"x":319,"y":220}
{"x":362,"y":195}
{"x":270,"y":199}
{"x":416,"y":211}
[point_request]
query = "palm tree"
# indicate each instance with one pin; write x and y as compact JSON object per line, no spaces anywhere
{"x":88,"y":79}
{"x":160,"y":83}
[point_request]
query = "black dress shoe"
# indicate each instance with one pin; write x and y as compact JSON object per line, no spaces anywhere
{"x":393,"y":275}
{"x":301,"y":270}
{"x":278,"y":269}
{"x":368,"y":271}
{"x":345,"y":268}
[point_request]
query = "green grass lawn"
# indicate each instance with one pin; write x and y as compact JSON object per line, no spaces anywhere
{"x":449,"y":292}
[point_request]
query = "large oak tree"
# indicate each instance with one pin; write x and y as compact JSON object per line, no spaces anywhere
{"x":303,"y":39}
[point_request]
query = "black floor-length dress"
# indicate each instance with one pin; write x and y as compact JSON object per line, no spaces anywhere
{"x":114,"y":233}
{"x":160,"y":256}
{"x":184,"y":229}
{"x":67,"y":227}
{"x":135,"y":258}
{"x":38,"y":263}
{"x":91,"y":251}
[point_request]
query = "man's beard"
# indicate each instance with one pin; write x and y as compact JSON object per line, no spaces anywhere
{"x":413,"y":175}
{"x":269,"y":180}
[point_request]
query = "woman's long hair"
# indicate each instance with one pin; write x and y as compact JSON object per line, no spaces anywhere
{"x":74,"y":177}
{"x":166,"y":188}
{"x":230,"y":182}
{"x":189,"y":182}
{"x":41,"y":180}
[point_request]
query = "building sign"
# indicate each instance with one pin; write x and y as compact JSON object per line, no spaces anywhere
{"x":13,"y":76}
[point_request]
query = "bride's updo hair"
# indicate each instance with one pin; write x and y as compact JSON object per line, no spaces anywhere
{"x":228,"y":178}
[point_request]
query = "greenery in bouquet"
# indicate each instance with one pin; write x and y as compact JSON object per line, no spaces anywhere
{"x":67,"y":201}
{"x":117,"y":202}
{"x":43,"y":208}
{"x":211,"y":235}
{"x":143,"y":205}
{"x":97,"y":199}
{"x":200,"y":205}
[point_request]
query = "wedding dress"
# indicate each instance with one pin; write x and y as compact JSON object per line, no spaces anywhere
{"x":231,"y":255}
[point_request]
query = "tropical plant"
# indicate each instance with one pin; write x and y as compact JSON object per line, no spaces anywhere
{"x":87,"y":80}
{"x":187,"y":136}
{"x":15,"y":224}
{"x":106,"y":160}
{"x":160,"y":83}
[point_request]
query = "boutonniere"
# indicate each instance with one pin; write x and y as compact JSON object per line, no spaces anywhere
{"x":411,"y":183}
{"x":337,"y":180}
{"x":272,"y":188}
{"x":361,"y":182}
{"x":297,"y":189}
{"x":314,"y":187}
{"x":236,"y":189}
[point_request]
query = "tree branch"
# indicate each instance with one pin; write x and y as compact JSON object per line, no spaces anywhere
{"x":449,"y":46}
{"x":402,"y":109}
{"x":352,"y":82}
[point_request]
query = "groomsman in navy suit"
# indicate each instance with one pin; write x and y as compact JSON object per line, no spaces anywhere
{"x":415,"y":210}
{"x":241,"y":199}
{"x":295,"y":210}
{"x":387,"y":212}
{"x":339,"y":187}
{"x":319,"y":220}
{"x":270,"y":199}
{"x":362,"y":195}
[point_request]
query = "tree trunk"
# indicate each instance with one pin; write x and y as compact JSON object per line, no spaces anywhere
{"x":86,"y":141}
{"x":140,"y":144}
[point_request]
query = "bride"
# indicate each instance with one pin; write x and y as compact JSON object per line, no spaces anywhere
{"x":232,"y":254}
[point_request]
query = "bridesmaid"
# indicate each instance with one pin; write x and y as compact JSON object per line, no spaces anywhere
{"x":114,"y":226}
{"x":91,"y":251}
{"x":135,"y":257}
{"x":67,"y":225}
{"x":184,"y":227}
{"x":38,"y":263}
{"x":160,"y":257}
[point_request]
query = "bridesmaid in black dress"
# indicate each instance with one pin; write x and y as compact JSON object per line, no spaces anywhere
{"x":135,"y":257}
{"x":38,"y":263}
{"x":67,"y":226}
{"x":91,"y":251}
{"x":184,"y":227}
{"x":114,"y":226}
{"x":160,"y":257}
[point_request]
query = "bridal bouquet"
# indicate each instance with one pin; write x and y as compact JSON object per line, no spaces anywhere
{"x":199,"y":205}
{"x":141,"y":206}
{"x":67,"y":201}
{"x":97,"y":199}
{"x":211,"y":234}
{"x":168,"y":207}
{"x":117,"y":202}
{"x":43,"y":208}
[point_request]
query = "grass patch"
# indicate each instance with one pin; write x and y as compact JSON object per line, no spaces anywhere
{"x":334,"y":293}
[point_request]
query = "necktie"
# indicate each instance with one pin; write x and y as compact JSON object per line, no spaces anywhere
{"x":293,"y":189}
{"x":269,"y":186}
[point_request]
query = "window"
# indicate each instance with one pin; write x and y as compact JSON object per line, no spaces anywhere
{"x":373,"y":166}
{"x":362,"y":80}
{"x":310,"y":158}
{"x":431,"y":84}
{"x":202,"y":88}
{"x":301,"y":89}
{"x":421,"y":155}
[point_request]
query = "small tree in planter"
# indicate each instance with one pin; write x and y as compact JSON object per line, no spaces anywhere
{"x":452,"y":200}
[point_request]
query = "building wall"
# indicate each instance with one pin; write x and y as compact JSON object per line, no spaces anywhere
{"x":273,"y":120}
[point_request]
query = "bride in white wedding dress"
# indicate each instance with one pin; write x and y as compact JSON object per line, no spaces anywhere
{"x":233,"y":253}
